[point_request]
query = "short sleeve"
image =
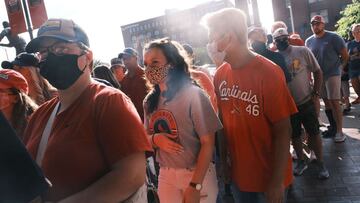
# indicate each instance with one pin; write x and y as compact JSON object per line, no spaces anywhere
{"x":119,"y":128}
{"x":339,"y":43}
{"x":313,"y":64}
{"x":278,"y":103}
{"x":203,"y":115}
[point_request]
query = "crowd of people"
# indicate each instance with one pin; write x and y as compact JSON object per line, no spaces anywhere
{"x":93,"y":130}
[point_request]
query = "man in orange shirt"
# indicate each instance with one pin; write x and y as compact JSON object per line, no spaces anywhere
{"x":89,"y":141}
{"x":134,"y":83}
{"x":255,"y":106}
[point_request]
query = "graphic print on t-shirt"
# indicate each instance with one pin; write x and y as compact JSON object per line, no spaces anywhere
{"x":163,"y":121}
{"x":295,"y":67}
{"x":234,"y":92}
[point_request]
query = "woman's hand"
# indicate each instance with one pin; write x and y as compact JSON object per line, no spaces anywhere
{"x":191,"y":195}
{"x":166,"y":144}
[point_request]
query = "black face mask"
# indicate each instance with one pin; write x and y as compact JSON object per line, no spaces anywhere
{"x":282,"y":44}
{"x":61,"y":71}
{"x":258,"y":46}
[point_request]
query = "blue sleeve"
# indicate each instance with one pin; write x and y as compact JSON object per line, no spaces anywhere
{"x":339,"y":43}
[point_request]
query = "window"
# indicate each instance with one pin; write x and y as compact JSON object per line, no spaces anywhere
{"x":157,"y":32}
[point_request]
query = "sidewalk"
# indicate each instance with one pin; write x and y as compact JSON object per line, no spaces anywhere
{"x":343,"y":162}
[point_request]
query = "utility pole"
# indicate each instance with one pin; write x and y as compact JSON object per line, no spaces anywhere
{"x":244,"y":6}
{"x":27,"y":18}
{"x":288,"y":3}
{"x":255,"y":9}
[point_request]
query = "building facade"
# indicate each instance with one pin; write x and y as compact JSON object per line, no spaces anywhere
{"x":182,"y":26}
{"x":304,"y":10}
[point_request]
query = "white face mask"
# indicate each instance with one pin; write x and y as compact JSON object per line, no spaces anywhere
{"x":216,"y":56}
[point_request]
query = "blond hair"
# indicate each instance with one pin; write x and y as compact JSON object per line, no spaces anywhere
{"x":226,"y":20}
{"x":355,"y":25}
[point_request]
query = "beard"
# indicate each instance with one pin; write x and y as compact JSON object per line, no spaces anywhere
{"x":318,"y":30}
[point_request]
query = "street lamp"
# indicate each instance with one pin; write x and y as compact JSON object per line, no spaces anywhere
{"x":288,"y":3}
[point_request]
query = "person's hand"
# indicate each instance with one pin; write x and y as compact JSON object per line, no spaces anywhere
{"x":275,"y":193}
{"x":191,"y":195}
{"x":166,"y":144}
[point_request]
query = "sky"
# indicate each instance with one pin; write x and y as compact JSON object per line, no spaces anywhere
{"x":101,"y":20}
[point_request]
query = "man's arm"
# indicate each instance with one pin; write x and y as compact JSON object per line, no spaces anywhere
{"x":126,"y":176}
{"x":282,"y":64}
{"x":281,"y":131}
{"x":344,"y":57}
{"x":318,"y":78}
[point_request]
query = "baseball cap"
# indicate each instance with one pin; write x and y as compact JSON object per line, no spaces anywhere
{"x":280,"y":32}
{"x":61,"y":29}
{"x":188,"y":48}
{"x":317,"y":18}
{"x":23,"y":59}
{"x":116,"y":62}
{"x":13,"y":79}
{"x":128,"y":51}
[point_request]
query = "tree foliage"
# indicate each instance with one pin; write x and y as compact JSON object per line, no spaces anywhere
{"x":349,"y":16}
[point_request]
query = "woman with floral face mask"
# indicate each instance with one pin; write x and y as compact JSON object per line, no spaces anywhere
{"x":14,"y":102}
{"x":181,"y":124}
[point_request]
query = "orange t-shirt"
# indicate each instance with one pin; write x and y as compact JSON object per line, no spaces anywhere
{"x":250,"y":99}
{"x":205,"y":83}
{"x":99,"y":128}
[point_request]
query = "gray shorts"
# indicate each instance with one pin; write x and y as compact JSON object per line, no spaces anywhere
{"x":345,"y":89}
{"x":331,"y":88}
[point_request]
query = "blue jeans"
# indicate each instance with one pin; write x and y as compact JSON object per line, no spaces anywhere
{"x":250,"y":197}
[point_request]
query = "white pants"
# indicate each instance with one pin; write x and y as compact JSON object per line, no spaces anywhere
{"x":173,"y":183}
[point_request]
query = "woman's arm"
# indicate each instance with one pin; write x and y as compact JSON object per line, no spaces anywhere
{"x":202,"y":165}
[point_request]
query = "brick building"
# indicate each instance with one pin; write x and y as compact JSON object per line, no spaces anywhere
{"x":303,"y":10}
{"x":182,"y":26}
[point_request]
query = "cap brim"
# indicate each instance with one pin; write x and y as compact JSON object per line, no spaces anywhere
{"x":33,"y":45}
{"x":316,"y":21}
{"x":7,"y":65}
{"x":122,"y":54}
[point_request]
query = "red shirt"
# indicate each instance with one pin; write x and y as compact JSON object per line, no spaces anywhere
{"x":99,"y":128}
{"x":251,"y":99}
{"x":135,"y":88}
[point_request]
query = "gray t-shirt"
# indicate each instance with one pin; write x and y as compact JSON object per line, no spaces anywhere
{"x":300,"y":63}
{"x":185,"y":118}
{"x":327,"y":51}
